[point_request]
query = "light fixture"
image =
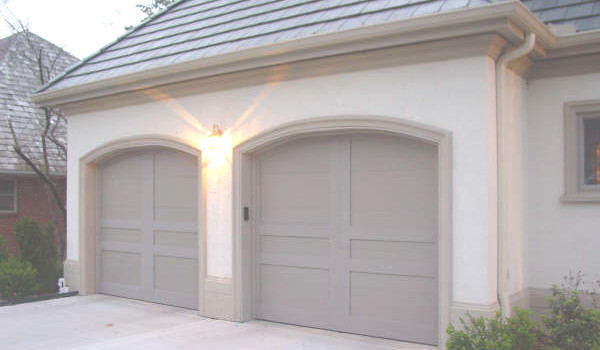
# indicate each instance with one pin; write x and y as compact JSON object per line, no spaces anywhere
{"x":213,"y":140}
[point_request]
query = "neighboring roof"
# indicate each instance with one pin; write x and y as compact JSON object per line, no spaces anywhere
{"x":191,"y":30}
{"x":17,"y":81}
{"x":583,"y":14}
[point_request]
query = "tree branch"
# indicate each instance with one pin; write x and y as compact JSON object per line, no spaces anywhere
{"x":47,"y":180}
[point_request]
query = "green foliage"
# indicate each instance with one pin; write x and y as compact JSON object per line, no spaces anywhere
{"x":151,"y":9}
{"x":570,"y":326}
{"x":17,"y":279}
{"x":38,"y":248}
{"x":515,"y":333}
{"x":3,"y":248}
{"x":154,"y":7}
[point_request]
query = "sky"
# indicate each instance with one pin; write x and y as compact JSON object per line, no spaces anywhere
{"x":80,"y":27}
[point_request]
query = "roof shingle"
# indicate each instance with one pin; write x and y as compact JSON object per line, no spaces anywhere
{"x":17,"y":81}
{"x":194,"y":29}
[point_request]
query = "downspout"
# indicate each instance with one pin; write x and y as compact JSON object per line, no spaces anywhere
{"x":501,"y":65}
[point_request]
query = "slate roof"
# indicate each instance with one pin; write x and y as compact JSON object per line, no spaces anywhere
{"x":195,"y":29}
{"x":583,"y":14}
{"x":17,"y":81}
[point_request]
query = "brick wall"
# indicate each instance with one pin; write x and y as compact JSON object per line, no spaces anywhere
{"x":32,"y":201}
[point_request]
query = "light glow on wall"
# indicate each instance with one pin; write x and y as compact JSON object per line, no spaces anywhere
{"x":217,"y":147}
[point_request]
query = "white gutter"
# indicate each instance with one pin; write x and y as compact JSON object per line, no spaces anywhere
{"x":501,"y":65}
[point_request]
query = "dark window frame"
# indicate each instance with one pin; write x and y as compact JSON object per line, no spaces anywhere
{"x":14,"y":194}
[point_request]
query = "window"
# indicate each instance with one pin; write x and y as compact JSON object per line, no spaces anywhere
{"x":8,"y":196}
{"x":582,"y":151}
{"x":591,"y":151}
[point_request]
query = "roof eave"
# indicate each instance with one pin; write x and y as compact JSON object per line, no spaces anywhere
{"x":510,"y":19}
{"x":13,"y":172}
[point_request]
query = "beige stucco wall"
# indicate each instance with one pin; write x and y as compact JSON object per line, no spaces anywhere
{"x":562,"y":237}
{"x":455,"y":95}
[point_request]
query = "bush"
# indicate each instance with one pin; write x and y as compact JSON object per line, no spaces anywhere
{"x":515,"y":333}
{"x":3,"y":248}
{"x":17,"y":279}
{"x":38,"y":248}
{"x":570,"y":326}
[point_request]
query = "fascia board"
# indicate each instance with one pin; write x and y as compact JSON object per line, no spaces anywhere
{"x":576,"y":44}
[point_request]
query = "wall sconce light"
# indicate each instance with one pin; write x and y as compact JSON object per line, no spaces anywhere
{"x":217,"y":147}
{"x":213,"y":140}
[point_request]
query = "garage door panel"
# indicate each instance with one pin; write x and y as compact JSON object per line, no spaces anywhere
{"x":294,"y":230}
{"x":295,"y":198}
{"x":311,"y":246}
{"x":175,"y":274}
{"x":297,"y":156}
{"x":185,"y":300}
{"x":121,"y":267}
{"x":391,"y":153}
{"x":169,"y":165}
{"x":297,"y":288}
{"x":393,"y":298}
{"x":392,"y":234}
{"x":393,"y":199}
{"x":174,"y":201}
{"x":136,"y":248}
{"x":125,"y":167}
{"x":176,"y":239}
{"x":124,"y":235}
{"x":122,"y":290}
{"x":401,"y":258}
{"x":403,"y":330}
{"x":175,"y":226}
{"x":303,"y":317}
{"x":289,"y":260}
{"x":121,"y":224}
{"x":124,"y":193}
{"x":121,"y":199}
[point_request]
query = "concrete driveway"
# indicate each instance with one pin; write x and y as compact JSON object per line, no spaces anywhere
{"x":105,"y":322}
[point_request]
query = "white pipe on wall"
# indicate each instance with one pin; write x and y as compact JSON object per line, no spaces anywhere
{"x":501,"y":65}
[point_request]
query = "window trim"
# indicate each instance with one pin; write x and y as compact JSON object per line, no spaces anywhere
{"x":15,"y":194}
{"x":575,"y":189}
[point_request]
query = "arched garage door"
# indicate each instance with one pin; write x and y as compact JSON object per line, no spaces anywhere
{"x":147,"y":240}
{"x":346,"y":235}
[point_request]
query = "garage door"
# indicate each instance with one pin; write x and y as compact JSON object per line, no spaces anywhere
{"x":347,"y":235}
{"x":148,"y":235}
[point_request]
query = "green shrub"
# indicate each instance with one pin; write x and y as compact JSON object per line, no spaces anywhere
{"x":570,"y":326}
{"x":17,"y":279}
{"x":3,"y":248}
{"x":515,"y":333}
{"x":38,"y":248}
